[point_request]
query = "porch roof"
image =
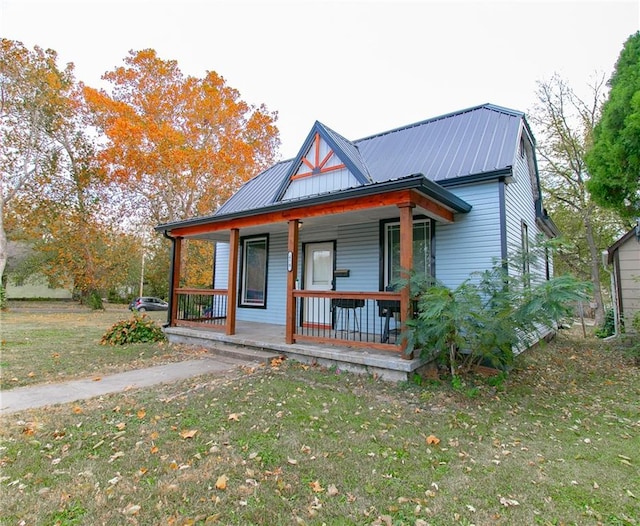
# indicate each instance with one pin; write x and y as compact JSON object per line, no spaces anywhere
{"x":299,"y":208}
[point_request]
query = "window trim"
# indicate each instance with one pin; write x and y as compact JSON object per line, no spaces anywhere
{"x":526,"y":262}
{"x":384,"y":224}
{"x":244,"y":242}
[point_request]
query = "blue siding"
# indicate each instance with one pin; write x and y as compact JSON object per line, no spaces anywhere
{"x":472,"y":242}
{"x":221,"y":275}
{"x":520,"y":207}
{"x":358,"y":250}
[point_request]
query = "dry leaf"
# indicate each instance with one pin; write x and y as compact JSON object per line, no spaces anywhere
{"x":234,"y":416}
{"x":433,"y":440}
{"x":332,"y":490}
{"x":141,"y":413}
{"x":188,"y":433}
{"x":76,"y":410}
{"x":154,"y":450}
{"x":316,"y":487}
{"x":120,"y":426}
{"x":221,"y":483}
{"x":508,"y":502}
{"x":131,"y":509}
{"x":292,"y":461}
{"x":96,"y":378}
{"x":31,"y":374}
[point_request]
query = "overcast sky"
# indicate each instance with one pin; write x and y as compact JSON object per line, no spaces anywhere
{"x":359,"y":67}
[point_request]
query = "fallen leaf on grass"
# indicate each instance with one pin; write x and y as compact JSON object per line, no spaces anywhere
{"x":141,"y":413}
{"x":188,"y":433}
{"x":235,"y":416}
{"x":433,"y":440}
{"x":292,"y":461}
{"x":221,"y":483}
{"x":76,"y":410}
{"x":116,"y":455}
{"x":96,"y":378}
{"x":508,"y":502}
{"x":131,"y":509}
{"x":332,"y":490}
{"x":316,"y":487}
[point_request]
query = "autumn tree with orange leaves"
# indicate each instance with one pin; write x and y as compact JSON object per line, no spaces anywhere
{"x":59,"y":197}
{"x":178,"y":145}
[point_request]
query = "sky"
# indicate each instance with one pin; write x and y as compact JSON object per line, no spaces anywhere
{"x":360,"y":67}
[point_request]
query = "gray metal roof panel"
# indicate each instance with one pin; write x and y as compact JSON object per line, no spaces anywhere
{"x":475,"y":141}
{"x":258,"y":192}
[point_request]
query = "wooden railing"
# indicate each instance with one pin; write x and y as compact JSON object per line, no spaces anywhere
{"x":358,"y":319}
{"x":361,"y":319}
{"x":198,"y":307}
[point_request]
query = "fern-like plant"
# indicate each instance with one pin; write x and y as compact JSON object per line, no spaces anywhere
{"x":488,"y":316}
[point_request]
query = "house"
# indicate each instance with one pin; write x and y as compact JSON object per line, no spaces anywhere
{"x":36,"y":286}
{"x":624,"y":256}
{"x":313,"y":246}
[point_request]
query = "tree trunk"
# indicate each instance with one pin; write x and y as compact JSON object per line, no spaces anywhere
{"x":595,"y":268}
{"x":3,"y":243}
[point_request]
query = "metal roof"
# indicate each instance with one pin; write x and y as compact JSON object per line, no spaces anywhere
{"x":468,"y":145}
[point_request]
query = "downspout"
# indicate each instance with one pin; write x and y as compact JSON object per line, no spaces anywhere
{"x":171,"y":276}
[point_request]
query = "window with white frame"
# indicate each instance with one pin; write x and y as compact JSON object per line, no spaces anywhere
{"x":253,"y":285}
{"x":422,"y":249}
{"x":526,"y":258}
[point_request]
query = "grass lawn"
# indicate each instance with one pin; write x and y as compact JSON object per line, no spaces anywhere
{"x":55,"y":341}
{"x":557,"y":442}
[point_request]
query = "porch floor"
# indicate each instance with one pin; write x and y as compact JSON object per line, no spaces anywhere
{"x":270,"y":338}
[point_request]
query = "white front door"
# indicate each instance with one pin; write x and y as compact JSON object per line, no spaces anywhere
{"x":318,"y":275}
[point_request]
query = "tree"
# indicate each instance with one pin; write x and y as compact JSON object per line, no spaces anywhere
{"x":32,"y":91}
{"x":61,"y":200}
{"x":178,"y":145}
{"x":614,"y":159}
{"x":564,"y":126}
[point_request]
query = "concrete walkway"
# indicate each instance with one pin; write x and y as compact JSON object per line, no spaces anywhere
{"x":61,"y":393}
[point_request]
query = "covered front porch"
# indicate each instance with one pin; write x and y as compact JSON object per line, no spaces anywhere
{"x":317,"y":279}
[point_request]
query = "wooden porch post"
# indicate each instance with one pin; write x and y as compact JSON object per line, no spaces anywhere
{"x":175,"y":279}
{"x":232,"y":284}
{"x":292,"y":276}
{"x":406,"y":263}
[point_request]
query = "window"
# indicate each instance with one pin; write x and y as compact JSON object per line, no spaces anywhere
{"x":422,"y":249}
{"x":526,"y":270}
{"x":254,"y":272}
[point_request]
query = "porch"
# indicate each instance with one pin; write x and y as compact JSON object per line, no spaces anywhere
{"x":269,"y":339}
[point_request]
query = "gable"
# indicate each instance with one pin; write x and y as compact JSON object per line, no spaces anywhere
{"x":327,"y":162}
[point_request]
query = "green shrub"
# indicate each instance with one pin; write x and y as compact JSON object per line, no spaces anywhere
{"x":636,"y":321}
{"x":608,"y":327}
{"x":138,"y":329}
{"x":482,"y":320}
{"x":95,"y":301}
{"x":3,"y":297}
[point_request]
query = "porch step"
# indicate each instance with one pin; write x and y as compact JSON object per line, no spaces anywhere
{"x":243,"y":353}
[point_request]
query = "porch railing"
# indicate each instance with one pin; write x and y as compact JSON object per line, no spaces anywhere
{"x":361,"y":319}
{"x":198,"y":307}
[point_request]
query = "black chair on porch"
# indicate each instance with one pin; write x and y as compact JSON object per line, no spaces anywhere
{"x":343,"y":309}
{"x":388,"y":309}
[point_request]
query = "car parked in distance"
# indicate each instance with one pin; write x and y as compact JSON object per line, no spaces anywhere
{"x":145,"y":303}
